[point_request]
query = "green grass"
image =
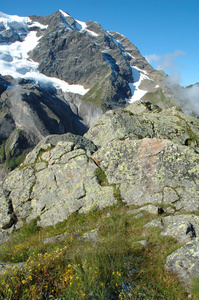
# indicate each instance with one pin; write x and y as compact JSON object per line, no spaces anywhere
{"x":101,"y":176}
{"x":195,"y":289}
{"x":15,"y":156}
{"x":158,"y":97}
{"x":94,"y":95}
{"x":13,"y":162}
{"x":2,"y":152}
{"x":115,"y":266}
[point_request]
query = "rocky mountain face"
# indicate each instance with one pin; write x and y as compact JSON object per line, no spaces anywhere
{"x":59,"y":75}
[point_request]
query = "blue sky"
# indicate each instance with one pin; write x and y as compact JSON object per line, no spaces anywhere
{"x":165,"y":31}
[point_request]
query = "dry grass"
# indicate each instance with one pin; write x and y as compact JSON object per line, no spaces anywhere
{"x":116,"y":266}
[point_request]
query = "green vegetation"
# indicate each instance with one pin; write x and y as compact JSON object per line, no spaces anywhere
{"x":2,"y":152}
{"x":101,"y":176}
{"x":195,"y":288}
{"x":113,"y":266}
{"x":94,"y":95}
{"x":158,"y":98}
{"x":13,"y":162}
{"x":13,"y":156}
{"x":117,"y":194}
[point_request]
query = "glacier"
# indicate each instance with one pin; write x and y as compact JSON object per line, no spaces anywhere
{"x":14,"y":58}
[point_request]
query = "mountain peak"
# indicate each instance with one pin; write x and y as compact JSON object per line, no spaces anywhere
{"x":65,"y":14}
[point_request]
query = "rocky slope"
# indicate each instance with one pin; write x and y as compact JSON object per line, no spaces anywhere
{"x":152,"y":160}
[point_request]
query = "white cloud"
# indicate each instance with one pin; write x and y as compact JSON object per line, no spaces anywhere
{"x":174,"y":78}
{"x":165,"y":61}
{"x":152,"y":57}
{"x":187,"y":98}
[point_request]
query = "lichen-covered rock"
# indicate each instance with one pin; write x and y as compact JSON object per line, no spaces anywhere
{"x":54,"y":239}
{"x":185,"y":262}
{"x":91,"y":236}
{"x":53,"y":182}
{"x":149,"y":170}
{"x":75,"y":141}
{"x":141,"y":120}
{"x":182,"y":227}
{"x":59,"y":176}
{"x":152,"y":209}
{"x":10,"y":267}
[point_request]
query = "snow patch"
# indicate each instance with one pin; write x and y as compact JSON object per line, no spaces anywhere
{"x":120,"y":33}
{"x":65,"y":87}
{"x":64,"y":13}
{"x":138,"y":76}
{"x":14,"y":58}
{"x":14,"y":24}
{"x":52,"y":82}
{"x":81,"y":26}
{"x":12,"y":18}
{"x":37,"y":24}
{"x":130,"y":55}
{"x":92,"y":32}
{"x":142,"y":71}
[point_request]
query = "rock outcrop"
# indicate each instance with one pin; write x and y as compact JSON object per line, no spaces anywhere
{"x":184,"y":228}
{"x":145,"y":120}
{"x":154,"y":171}
{"x":140,"y":155}
{"x":55,"y":181}
{"x":185,"y":262}
{"x":59,"y":176}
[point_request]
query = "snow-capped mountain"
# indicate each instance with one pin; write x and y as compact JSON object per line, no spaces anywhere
{"x":17,"y":38}
{"x":20,"y":35}
{"x":58,"y":75}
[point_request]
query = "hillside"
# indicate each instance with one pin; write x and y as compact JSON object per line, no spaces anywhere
{"x":99,"y":178}
{"x":133,"y":160}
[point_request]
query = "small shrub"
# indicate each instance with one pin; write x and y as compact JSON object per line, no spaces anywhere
{"x":101,"y":176}
{"x":115,"y":266}
{"x":31,"y":227}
